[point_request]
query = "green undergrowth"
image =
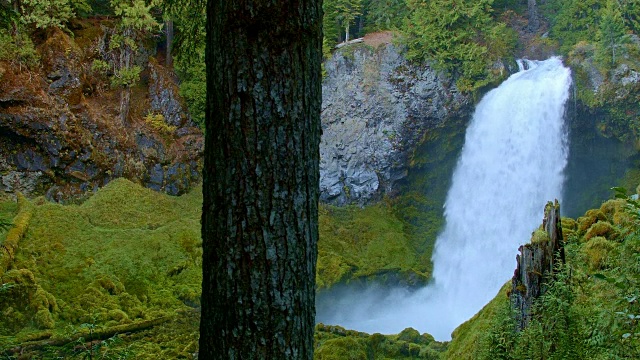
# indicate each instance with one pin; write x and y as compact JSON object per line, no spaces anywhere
{"x":8,"y":210}
{"x":336,"y":343}
{"x":590,"y":311}
{"x":125,"y":256}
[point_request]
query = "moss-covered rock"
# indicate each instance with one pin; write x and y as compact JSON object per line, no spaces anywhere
{"x":568,"y":223}
{"x":590,"y":217}
{"x":342,"y":348}
{"x":601,"y":228}
{"x":597,"y":252}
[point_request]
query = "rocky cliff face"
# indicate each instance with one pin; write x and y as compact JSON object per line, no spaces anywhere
{"x":376,"y":107}
{"x":60,"y":134}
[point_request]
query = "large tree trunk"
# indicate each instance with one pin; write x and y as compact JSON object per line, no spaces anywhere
{"x":261,"y":173}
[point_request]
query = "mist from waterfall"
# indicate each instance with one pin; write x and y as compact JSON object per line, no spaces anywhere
{"x":511,"y":164}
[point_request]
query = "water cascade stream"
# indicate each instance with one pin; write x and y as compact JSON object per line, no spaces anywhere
{"x":511,"y":164}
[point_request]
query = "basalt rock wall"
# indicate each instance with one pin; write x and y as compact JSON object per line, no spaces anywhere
{"x":376,"y":108}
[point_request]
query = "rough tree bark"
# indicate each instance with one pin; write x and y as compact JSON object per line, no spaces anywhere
{"x":261,"y":173}
{"x":536,"y":265}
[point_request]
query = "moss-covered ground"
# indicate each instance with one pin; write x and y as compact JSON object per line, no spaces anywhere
{"x":124,"y":257}
{"x":119,"y":275}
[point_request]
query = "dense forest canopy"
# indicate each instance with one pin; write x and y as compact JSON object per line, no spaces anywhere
{"x":461,"y":37}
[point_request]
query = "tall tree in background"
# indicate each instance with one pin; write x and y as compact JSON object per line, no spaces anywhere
{"x":611,"y":31}
{"x":261,"y":172}
{"x":136,"y":22}
{"x":460,"y":37}
{"x":339,"y":15}
{"x":348,"y":10}
{"x":384,"y":14}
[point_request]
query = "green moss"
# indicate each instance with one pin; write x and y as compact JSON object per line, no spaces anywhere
{"x":597,"y":251}
{"x":568,"y":223}
{"x":44,"y":320}
{"x":539,"y":236}
{"x":601,"y":228}
{"x":331,"y":342}
{"x":589,"y":218}
{"x":342,"y":348}
{"x":362,"y":242}
{"x":107,"y":261}
{"x":616,"y":212}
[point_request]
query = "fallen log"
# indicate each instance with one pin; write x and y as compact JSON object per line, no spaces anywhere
{"x":88,"y":335}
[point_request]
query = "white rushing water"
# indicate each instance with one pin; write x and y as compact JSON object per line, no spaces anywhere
{"x":511,"y":164}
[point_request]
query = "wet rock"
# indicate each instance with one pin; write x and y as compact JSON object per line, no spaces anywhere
{"x":48,"y":147}
{"x":165,"y":100}
{"x":156,"y":177}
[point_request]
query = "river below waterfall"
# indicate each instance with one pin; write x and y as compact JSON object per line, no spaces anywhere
{"x":511,"y":164}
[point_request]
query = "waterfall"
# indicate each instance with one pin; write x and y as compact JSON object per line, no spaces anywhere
{"x":511,"y":164}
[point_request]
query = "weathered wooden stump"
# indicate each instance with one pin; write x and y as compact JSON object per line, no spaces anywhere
{"x":536,"y":264}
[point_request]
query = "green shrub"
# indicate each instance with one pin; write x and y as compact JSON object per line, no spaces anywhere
{"x":44,"y":14}
{"x":156,"y":121}
{"x":17,"y":48}
{"x":601,"y":228}
{"x":346,"y":348}
{"x":460,"y":38}
{"x":597,"y":251}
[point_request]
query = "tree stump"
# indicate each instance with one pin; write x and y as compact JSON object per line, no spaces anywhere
{"x":536,"y":264}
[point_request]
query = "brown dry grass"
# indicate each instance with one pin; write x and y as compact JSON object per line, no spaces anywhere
{"x":379,"y":38}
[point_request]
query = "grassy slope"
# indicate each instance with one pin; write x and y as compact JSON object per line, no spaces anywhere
{"x":129,"y":255}
{"x":586,"y":313}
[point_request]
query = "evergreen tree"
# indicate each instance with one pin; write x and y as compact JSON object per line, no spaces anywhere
{"x":385,"y":14}
{"x":611,"y":32}
{"x":188,"y":17}
{"x":347,"y":11}
{"x":631,"y":13}
{"x":135,"y":23}
{"x":339,"y":15}
{"x":574,"y":20}
{"x":261,"y":173}
{"x":454,"y":34}
{"x":44,"y":14}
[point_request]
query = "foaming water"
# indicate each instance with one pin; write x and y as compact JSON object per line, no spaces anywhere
{"x":511,"y":164}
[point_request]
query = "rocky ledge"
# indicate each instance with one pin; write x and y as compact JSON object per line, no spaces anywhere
{"x":60,"y":134}
{"x":375,"y":109}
